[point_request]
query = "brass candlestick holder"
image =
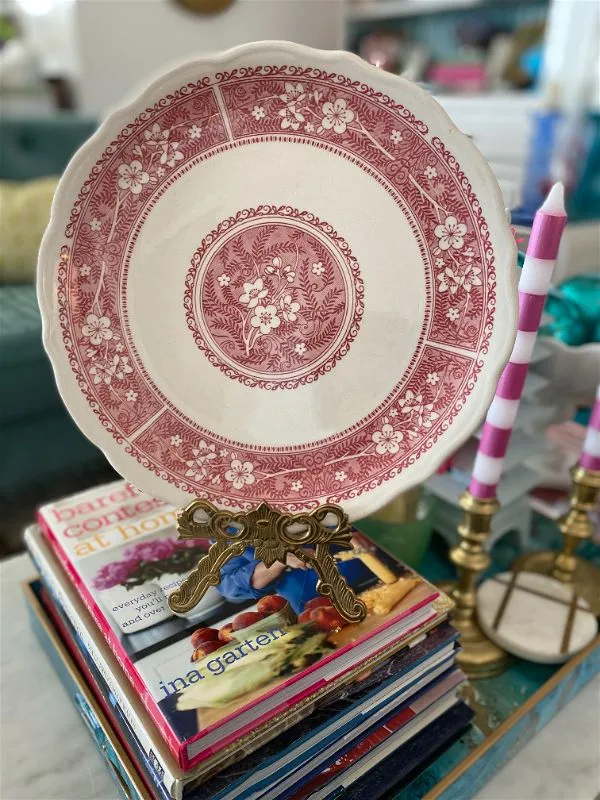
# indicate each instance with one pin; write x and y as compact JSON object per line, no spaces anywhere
{"x":576,"y":527}
{"x":480,"y":658}
{"x":273,"y":535}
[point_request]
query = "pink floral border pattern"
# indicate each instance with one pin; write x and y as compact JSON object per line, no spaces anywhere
{"x":301,"y":106}
{"x":295,"y":289}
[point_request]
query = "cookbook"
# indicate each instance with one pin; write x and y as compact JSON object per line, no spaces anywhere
{"x":249,"y":652}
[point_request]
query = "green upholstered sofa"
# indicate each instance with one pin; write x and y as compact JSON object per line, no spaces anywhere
{"x":40,"y":446}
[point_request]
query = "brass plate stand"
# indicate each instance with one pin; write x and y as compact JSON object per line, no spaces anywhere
{"x":576,"y":527}
{"x":480,"y":658}
{"x":273,"y":535}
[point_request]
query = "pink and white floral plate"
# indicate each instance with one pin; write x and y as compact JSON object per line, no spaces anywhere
{"x":278,"y":274}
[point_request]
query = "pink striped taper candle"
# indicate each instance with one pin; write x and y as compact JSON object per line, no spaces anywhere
{"x":536,"y":275}
{"x":590,"y":455}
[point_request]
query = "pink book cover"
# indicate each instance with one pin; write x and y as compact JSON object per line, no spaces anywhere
{"x":249,"y":651}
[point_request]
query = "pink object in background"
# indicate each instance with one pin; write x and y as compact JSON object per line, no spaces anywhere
{"x":460,"y":77}
{"x":590,"y":455}
{"x":534,"y":283}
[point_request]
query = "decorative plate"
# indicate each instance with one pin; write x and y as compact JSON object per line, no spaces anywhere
{"x":278,"y":274}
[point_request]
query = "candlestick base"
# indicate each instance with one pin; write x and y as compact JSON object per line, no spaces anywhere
{"x":480,"y":657}
{"x":583,"y":577}
{"x":576,"y":527}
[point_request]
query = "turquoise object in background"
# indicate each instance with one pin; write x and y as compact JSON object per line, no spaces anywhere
{"x":584,"y":292}
{"x":531,"y":62}
{"x":575,"y":309}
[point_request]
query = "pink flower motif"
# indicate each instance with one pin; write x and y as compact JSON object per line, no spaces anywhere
{"x":387,"y":439}
{"x":274,"y":267}
{"x":451,"y":234}
{"x":265,"y":319}
{"x":199,"y":467}
{"x":103,"y":372}
{"x":411,"y":402}
{"x":452,"y":314}
{"x":337,"y":116}
{"x":122,"y":366}
{"x":253,"y":292}
{"x":300,"y":348}
{"x":295,"y":486}
{"x":97,"y":329}
{"x":240,"y":473}
{"x":289,"y":308}
{"x":155,"y":137}
{"x":115,"y":573}
{"x":293,"y":94}
{"x":427,"y":416}
{"x":150,"y":551}
{"x":449,"y":280}
{"x":170,"y":154}
{"x":471,"y":277}
{"x":291,"y":117}
{"x":133,"y":177}
{"x":318,"y":268}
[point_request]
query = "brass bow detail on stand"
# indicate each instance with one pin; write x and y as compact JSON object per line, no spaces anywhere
{"x":273,"y":535}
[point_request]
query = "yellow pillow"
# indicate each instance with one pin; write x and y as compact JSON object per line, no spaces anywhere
{"x":24,"y":214}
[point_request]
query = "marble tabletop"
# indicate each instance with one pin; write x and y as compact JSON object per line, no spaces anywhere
{"x":47,"y":754}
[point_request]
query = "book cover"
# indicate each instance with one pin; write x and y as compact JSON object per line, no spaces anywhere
{"x":404,"y":764}
{"x":349,"y":700}
{"x":98,"y":653}
{"x":250,"y":650}
{"x":60,"y":624}
{"x":336,"y":722}
{"x":360,"y":759}
{"x":121,"y":766}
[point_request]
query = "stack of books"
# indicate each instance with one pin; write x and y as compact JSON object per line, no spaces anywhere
{"x":263,"y":691}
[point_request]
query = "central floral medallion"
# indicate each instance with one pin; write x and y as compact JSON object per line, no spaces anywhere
{"x":273,"y":297}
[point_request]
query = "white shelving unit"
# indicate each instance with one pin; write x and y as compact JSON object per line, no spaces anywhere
{"x":397,"y":9}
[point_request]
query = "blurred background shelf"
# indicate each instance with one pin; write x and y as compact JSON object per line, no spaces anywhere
{"x":395,"y":9}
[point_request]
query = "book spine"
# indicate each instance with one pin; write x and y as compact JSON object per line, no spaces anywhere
{"x":173,"y":785}
{"x":175,"y":746}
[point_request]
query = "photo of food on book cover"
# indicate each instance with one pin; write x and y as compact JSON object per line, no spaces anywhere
{"x":262,"y":632}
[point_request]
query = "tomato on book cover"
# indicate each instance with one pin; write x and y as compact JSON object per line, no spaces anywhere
{"x":259,"y":642}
